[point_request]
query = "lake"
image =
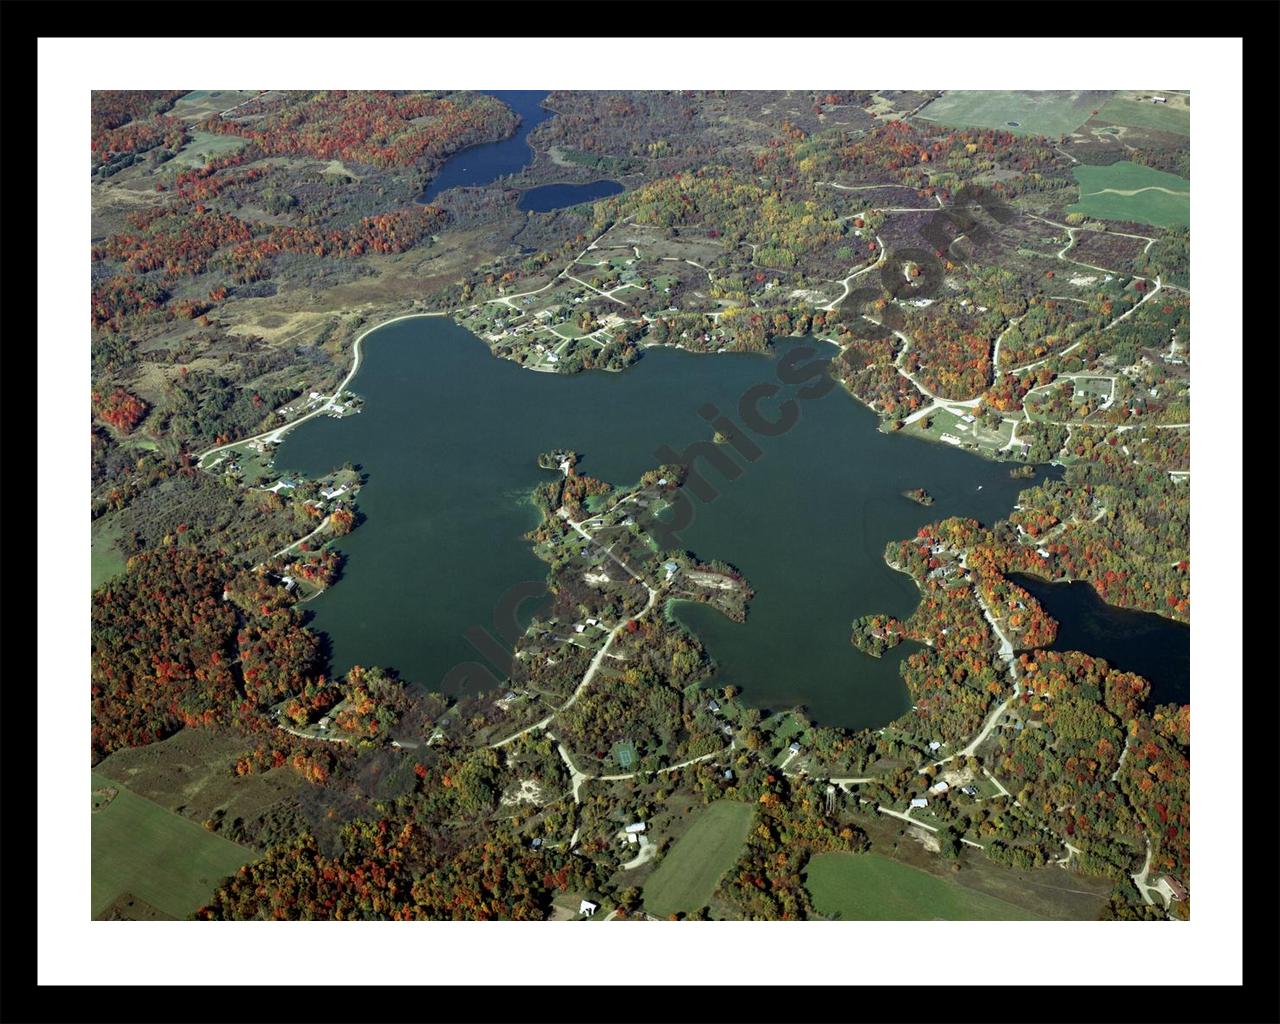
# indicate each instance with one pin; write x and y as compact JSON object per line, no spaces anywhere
{"x":546,"y":198}
{"x":489,"y":161}
{"x":449,"y":436}
{"x":1156,"y":648}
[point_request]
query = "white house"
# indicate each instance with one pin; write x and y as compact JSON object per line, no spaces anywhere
{"x":586,"y":908}
{"x":919,"y":802}
{"x":638,"y":826}
{"x":939,"y":787}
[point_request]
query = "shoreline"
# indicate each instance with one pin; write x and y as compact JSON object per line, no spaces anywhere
{"x":276,"y":434}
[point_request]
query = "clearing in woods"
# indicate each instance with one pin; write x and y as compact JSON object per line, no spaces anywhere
{"x":692,"y":868}
{"x":1132,"y":192}
{"x":140,"y":848}
{"x":870,"y":887}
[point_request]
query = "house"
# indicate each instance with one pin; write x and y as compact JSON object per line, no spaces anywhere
{"x":586,"y":908}
{"x":727,"y":730}
{"x":713,"y":707}
{"x":593,"y":622}
{"x":631,"y":838}
{"x":670,"y":568}
{"x":578,"y":627}
{"x":919,"y":802}
{"x":969,"y":791}
{"x":662,"y":482}
{"x":334,"y":492}
{"x":324,"y":722}
{"x":638,"y":826}
{"x":795,"y":747}
{"x":537,"y":844}
{"x":289,"y":582}
{"x":1159,"y":99}
{"x":967,"y":417}
{"x":1042,"y":552}
{"x":728,"y":773}
{"x":939,"y":787}
{"x":934,"y":744}
{"x":1177,"y":891}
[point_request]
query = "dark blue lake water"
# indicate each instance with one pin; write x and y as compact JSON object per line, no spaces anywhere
{"x":1156,"y":648}
{"x":545,"y":198}
{"x":480,"y":165}
{"x":450,"y":437}
{"x":486,"y":163}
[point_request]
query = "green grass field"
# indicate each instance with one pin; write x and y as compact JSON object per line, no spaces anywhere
{"x":204,"y":146}
{"x":869,"y":887}
{"x":1136,"y":114}
{"x":161,"y":857}
{"x":1036,"y":113}
{"x":1129,"y":191}
{"x":105,"y":559}
{"x":689,"y":873}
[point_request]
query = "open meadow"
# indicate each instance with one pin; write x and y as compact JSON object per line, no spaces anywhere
{"x":1132,"y":192}
{"x":1023,"y":113}
{"x":140,"y":848}
{"x":689,"y":873}
{"x":869,"y":887}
